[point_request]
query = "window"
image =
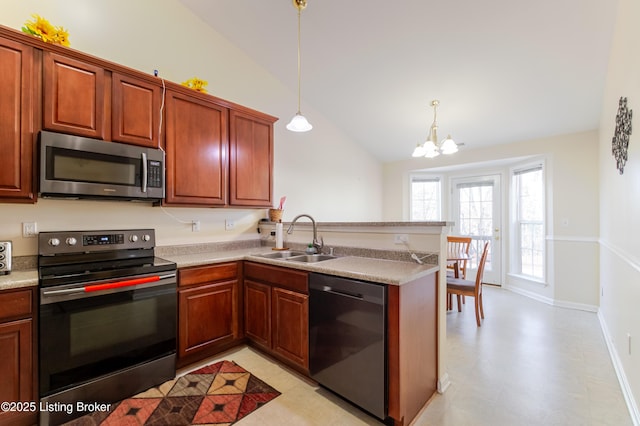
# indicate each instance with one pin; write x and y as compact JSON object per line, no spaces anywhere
{"x":425,"y":198}
{"x":528,"y":185}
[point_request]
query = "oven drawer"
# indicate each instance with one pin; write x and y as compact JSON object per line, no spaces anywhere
{"x":207,"y":274}
{"x":16,"y":304}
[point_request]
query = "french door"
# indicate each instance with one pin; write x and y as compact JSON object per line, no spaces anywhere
{"x":476,"y":211}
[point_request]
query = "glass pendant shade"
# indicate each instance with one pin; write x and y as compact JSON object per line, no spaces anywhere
{"x":431,"y":150}
{"x":299,"y":124}
{"x":448,"y":146}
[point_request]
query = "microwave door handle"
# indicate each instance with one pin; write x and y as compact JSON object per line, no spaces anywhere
{"x":144,"y":172}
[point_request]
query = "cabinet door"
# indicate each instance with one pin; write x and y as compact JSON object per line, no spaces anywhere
{"x":135,"y":111}
{"x":250,"y":161}
{"x":16,"y":366}
{"x":16,"y":121}
{"x":290,"y":317}
{"x":73,"y":96}
{"x":196,"y":146}
{"x":257,"y":313}
{"x":208,"y":316}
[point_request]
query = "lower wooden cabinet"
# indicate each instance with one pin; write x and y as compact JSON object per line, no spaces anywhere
{"x":290,"y":324}
{"x":208,"y":311}
{"x":17,"y":354}
{"x":276,"y":312}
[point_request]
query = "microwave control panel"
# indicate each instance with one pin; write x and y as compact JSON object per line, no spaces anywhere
{"x":154,"y":174}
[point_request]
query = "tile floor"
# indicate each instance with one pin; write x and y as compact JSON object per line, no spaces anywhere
{"x":529,"y":364}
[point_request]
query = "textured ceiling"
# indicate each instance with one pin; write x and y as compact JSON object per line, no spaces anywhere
{"x":503,"y":70}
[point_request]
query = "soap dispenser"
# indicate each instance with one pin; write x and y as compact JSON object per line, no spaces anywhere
{"x":311,"y":249}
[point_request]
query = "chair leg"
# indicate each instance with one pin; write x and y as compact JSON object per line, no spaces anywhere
{"x":459,"y":304}
{"x":481,"y":307}
{"x":477,"y":303}
{"x":464,"y":300}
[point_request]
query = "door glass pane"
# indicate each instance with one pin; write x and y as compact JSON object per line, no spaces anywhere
{"x":476,"y":217}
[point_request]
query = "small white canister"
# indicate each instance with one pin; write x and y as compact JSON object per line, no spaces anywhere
{"x":5,"y":257}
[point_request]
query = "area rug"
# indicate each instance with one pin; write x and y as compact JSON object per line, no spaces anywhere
{"x":218,"y":394}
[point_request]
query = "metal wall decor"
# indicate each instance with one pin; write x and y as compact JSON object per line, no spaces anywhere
{"x":620,"y":141}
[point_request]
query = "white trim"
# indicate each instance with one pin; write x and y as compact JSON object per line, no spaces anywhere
{"x":552,"y":302}
{"x":619,"y":369}
{"x":572,"y":239}
{"x":624,"y":256}
{"x":443,"y":383}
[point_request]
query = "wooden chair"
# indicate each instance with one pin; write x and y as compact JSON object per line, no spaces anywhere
{"x":461,"y":287}
{"x":458,"y":245}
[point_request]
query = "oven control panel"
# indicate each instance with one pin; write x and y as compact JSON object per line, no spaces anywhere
{"x":52,"y":243}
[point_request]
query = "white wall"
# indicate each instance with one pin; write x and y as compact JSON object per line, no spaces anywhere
{"x":620,"y":207}
{"x":322,"y":173}
{"x":571,"y":163}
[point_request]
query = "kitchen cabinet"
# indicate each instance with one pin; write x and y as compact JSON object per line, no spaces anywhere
{"x":209,"y":309}
{"x":250,"y":159}
{"x":17,"y":354}
{"x":16,"y":122}
{"x":196,"y":146}
{"x":86,"y":99}
{"x":277,"y":312}
{"x":74,"y":96}
{"x":135,"y":115}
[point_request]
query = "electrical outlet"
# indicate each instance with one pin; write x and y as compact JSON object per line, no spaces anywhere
{"x":29,"y":229}
{"x":229,"y":224}
{"x":400,"y":239}
{"x":195,"y":226}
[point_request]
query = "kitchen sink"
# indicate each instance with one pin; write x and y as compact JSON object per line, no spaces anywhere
{"x":311,"y":258}
{"x":282,"y":254}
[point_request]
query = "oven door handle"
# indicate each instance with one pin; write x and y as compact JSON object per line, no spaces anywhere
{"x":108,"y":286}
{"x":126,"y":283}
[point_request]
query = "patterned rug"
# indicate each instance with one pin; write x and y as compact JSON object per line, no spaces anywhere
{"x":218,"y":394}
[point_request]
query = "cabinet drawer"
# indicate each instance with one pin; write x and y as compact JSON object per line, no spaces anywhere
{"x":208,"y":273}
{"x":16,"y":304}
{"x":281,"y":277}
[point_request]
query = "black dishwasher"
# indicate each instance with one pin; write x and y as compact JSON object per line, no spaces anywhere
{"x":347,"y":340}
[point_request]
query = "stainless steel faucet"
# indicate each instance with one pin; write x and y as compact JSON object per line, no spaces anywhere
{"x":317,"y":244}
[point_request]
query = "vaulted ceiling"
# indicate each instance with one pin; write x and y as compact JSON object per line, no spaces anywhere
{"x":503,"y":70}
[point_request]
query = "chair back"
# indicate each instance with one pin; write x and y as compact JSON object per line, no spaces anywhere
{"x":456,"y":245}
{"x":483,"y":261}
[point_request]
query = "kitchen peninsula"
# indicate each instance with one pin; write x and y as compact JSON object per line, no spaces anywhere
{"x":412,"y":304}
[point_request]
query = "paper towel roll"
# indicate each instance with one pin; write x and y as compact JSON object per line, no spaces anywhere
{"x":279,"y":236}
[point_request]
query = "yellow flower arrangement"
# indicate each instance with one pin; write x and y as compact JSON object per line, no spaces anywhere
{"x":48,"y":33}
{"x":196,"y":84}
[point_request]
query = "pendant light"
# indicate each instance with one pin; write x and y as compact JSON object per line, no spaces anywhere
{"x":432,"y":148}
{"x":299,"y":123}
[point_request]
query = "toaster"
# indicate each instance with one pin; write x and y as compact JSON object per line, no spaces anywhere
{"x":5,"y":257}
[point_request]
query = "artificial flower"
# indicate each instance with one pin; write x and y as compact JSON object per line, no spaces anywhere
{"x":196,"y":84}
{"x":48,"y":33}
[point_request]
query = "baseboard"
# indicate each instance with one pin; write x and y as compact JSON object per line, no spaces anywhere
{"x":552,"y":302}
{"x":443,"y":383}
{"x":622,"y":377}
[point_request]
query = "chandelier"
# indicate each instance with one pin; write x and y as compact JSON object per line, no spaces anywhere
{"x":432,"y":147}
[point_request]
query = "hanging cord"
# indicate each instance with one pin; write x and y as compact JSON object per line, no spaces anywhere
{"x":174,"y":217}
{"x":299,"y":12}
{"x":164,"y":91}
{"x":414,"y":256}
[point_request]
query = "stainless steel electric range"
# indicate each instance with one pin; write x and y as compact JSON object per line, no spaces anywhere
{"x":108,"y":319}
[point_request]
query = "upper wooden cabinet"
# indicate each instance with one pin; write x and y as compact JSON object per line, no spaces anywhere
{"x":218,"y":153}
{"x":74,"y":96}
{"x":16,"y":122}
{"x":250,"y":160}
{"x":196,"y":144}
{"x":135,"y":116}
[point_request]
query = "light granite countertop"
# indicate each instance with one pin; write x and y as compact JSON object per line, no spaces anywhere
{"x":362,"y":268}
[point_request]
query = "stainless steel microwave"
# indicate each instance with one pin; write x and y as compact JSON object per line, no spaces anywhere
{"x":78,"y":167}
